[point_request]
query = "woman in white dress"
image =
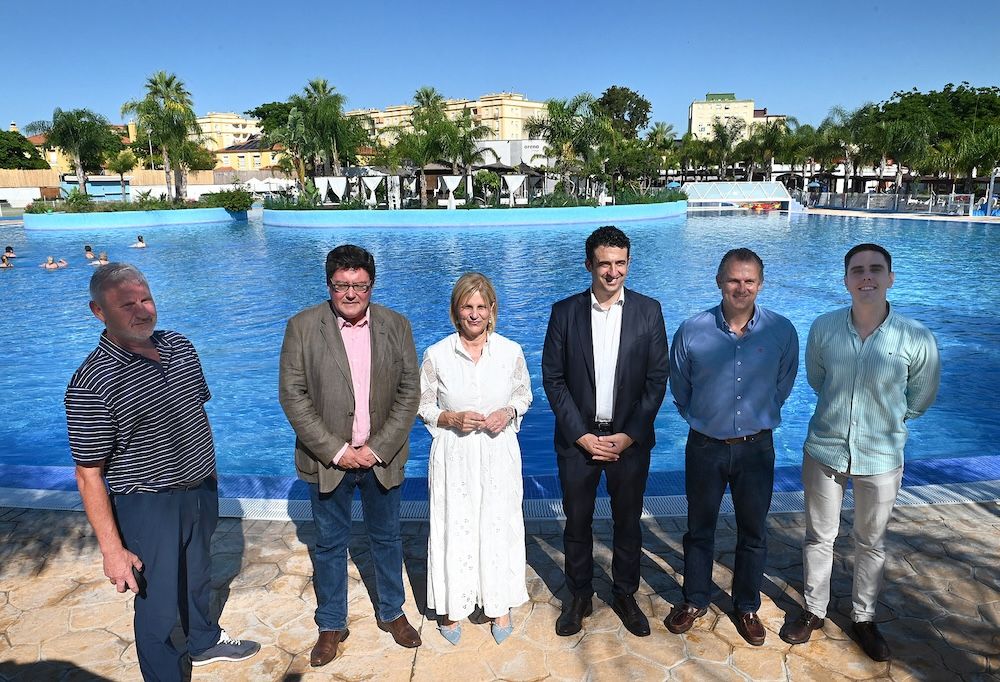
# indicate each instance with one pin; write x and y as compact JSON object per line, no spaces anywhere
{"x":475,"y":389}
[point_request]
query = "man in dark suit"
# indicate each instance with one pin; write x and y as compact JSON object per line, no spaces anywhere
{"x":604,"y":369}
{"x":348,"y":384}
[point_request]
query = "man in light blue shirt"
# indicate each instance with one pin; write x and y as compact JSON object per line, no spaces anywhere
{"x":731,"y":369}
{"x":873,"y":370}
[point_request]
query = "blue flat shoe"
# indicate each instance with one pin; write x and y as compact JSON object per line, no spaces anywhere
{"x":452,"y":633}
{"x":502,"y":633}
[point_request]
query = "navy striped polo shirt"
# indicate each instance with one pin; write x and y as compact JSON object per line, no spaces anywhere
{"x":144,"y":420}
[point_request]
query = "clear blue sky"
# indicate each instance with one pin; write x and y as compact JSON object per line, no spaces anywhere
{"x":796,"y":58}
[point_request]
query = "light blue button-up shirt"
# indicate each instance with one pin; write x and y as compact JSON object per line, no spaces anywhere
{"x":867,"y":391}
{"x":726,"y":386}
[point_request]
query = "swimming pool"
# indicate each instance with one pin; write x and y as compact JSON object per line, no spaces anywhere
{"x":231,"y":287}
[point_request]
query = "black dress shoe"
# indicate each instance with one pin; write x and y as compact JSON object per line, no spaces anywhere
{"x":800,"y":630}
{"x":872,"y":641}
{"x":571,"y":619}
{"x":633,"y":618}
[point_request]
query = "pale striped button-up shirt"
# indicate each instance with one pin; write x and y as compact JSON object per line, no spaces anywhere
{"x":867,"y":391}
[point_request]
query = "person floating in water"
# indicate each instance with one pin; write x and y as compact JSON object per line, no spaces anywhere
{"x":139,"y":243}
{"x":5,"y":262}
{"x":53,"y":264}
{"x":88,"y":252}
{"x":102,"y":259}
{"x":9,"y":252}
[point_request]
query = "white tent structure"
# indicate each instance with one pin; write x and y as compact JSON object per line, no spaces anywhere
{"x":736,"y":193}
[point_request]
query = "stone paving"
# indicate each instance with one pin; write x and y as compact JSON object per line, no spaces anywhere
{"x":940,"y":610}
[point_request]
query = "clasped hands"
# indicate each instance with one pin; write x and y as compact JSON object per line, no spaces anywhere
{"x":360,"y":457}
{"x":470,"y":421}
{"x":605,"y":448}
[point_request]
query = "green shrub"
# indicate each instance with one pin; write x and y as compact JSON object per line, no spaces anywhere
{"x":37,"y":207}
{"x":234,"y":200}
{"x":626,"y":196}
{"x":561,"y":200}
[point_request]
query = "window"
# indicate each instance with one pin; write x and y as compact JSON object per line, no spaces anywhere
{"x":225,"y":159}
{"x":242,"y":162}
{"x":256,"y":160}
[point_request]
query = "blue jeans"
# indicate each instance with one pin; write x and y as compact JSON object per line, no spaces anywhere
{"x":748,"y":469}
{"x":332,"y":515}
{"x":171,"y":532}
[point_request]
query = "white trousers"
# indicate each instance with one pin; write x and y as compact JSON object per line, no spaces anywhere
{"x":874,"y":497}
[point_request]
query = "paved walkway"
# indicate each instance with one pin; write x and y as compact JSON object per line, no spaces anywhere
{"x":61,"y":620}
{"x":859,"y":213}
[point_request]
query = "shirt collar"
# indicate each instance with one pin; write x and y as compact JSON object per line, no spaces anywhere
{"x":720,"y":319}
{"x":597,"y":306}
{"x":363,"y":322}
{"x":885,"y":323}
{"x":460,"y":349}
{"x":122,"y":355}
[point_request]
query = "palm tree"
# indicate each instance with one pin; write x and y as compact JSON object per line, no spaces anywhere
{"x":83,"y":135}
{"x":167,"y":112}
{"x":944,"y":158}
{"x":122,"y":163}
{"x":725,"y":136}
{"x":428,"y":101}
{"x":770,"y":139}
{"x":294,"y":137}
{"x":571,"y":129}
{"x":323,"y":113}
{"x":661,"y":135}
{"x":421,"y":146}
{"x":982,"y":151}
{"x":460,"y":147}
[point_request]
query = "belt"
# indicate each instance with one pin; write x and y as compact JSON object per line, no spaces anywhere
{"x":738,"y":439}
{"x":602,"y":427}
{"x":180,"y":487}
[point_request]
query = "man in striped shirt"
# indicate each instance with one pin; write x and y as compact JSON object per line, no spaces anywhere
{"x":873,"y":370}
{"x":145,"y":467}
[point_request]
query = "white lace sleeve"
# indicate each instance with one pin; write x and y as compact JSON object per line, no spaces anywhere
{"x":520,"y":389}
{"x":429,"y":410}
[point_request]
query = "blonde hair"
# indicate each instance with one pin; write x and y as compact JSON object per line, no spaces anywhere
{"x":465,"y":287}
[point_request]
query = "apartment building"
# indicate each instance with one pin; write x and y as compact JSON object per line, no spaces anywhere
{"x":725,"y":107}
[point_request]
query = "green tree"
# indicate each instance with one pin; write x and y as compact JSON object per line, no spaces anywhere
{"x":949,"y":112}
{"x":981,"y":150}
{"x":296,"y":141}
{"x":627,"y":110}
{"x":17,"y":152}
{"x":571,"y":129}
{"x":121,"y":163}
{"x":83,"y":135}
{"x":167,"y":113}
{"x":271,"y":115}
{"x":725,"y":136}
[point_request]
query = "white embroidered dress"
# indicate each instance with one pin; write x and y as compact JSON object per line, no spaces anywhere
{"x":475,"y":552}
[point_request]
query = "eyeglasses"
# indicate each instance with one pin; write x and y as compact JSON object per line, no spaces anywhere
{"x":360,"y":287}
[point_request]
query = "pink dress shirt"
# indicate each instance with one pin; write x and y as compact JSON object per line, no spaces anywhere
{"x":358,"y":344}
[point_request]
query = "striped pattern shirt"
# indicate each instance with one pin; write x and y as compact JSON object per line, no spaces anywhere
{"x":144,"y":421}
{"x":867,"y":391}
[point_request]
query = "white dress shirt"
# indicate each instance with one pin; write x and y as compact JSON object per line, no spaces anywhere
{"x":606,"y":330}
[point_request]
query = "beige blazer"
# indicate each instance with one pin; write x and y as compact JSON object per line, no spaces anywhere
{"x":316,"y":393}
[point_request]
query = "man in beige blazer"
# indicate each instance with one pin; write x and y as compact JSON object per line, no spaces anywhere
{"x":349,"y":386}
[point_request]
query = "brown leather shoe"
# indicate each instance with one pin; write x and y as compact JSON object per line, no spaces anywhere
{"x":326,"y":646}
{"x":402,"y":632}
{"x":750,"y":627}
{"x":800,"y":630}
{"x":682,"y":617}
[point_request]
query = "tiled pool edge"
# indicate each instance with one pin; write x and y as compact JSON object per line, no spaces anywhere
{"x":254,"y":497}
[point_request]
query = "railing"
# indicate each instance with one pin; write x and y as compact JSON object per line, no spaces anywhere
{"x":935,"y":204}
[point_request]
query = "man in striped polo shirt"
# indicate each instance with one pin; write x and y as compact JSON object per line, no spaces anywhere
{"x":873,"y":370}
{"x":138,"y":430}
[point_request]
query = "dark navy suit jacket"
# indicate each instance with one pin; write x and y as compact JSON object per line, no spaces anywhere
{"x":640,"y":377}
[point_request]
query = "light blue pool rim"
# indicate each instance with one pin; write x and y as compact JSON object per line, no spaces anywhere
{"x":130,"y":219}
{"x":925,"y":481}
{"x":483,"y":217}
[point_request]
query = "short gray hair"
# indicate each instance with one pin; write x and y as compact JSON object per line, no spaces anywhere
{"x":111,"y":275}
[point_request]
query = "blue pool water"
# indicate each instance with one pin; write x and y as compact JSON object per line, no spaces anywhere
{"x":231,"y":287}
